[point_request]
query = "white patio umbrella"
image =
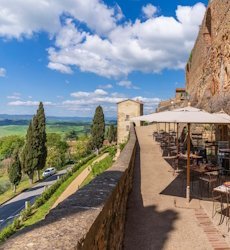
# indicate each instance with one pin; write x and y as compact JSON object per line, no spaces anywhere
{"x":186,"y":115}
{"x":222,"y":114}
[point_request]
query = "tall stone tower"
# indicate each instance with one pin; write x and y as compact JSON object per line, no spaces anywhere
{"x":208,"y":67}
{"x":126,"y":110}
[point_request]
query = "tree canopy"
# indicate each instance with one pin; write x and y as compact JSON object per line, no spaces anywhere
{"x":112,"y":133}
{"x":98,"y":129}
{"x":14,"y":171}
{"x":71,"y":135}
{"x":39,"y":137}
{"x":27,"y":156}
{"x":9,"y":144}
{"x":35,"y":152}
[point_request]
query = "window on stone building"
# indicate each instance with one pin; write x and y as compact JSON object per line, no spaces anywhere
{"x":127,"y":117}
{"x":127,"y":128}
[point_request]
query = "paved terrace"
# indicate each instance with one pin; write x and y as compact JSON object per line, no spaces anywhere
{"x":156,"y":219}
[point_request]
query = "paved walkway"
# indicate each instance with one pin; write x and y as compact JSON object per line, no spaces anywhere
{"x":75,"y":184}
{"x":156,"y":219}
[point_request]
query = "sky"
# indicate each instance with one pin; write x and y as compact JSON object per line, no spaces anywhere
{"x":74,"y":55}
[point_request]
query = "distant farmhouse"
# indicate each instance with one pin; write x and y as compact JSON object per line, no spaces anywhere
{"x":126,"y":110}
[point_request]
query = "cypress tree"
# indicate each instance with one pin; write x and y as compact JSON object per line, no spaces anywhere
{"x":14,"y":172}
{"x":39,"y":134}
{"x":111,"y":134}
{"x":98,"y":129}
{"x":27,"y":157}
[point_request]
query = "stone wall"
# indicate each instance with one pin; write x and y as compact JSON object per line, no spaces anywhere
{"x":208,"y":68}
{"x":92,"y":218}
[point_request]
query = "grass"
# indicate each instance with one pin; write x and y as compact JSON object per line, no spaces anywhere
{"x":13,"y":130}
{"x":98,"y":168}
{"x":51,"y":128}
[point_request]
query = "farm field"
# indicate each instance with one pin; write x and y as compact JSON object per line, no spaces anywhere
{"x":51,"y":128}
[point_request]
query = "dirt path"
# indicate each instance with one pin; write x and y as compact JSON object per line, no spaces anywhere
{"x":154,"y":219}
{"x":75,"y":184}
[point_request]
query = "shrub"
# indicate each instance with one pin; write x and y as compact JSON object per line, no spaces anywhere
{"x":25,"y":213}
{"x":112,"y":151}
{"x":122,"y":145}
{"x":4,"y":186}
{"x":7,"y":232}
{"x":16,"y":223}
{"x":101,"y":166}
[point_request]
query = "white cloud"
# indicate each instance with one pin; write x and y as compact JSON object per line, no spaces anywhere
{"x":127,"y":84}
{"x":28,"y":103}
{"x":22,"y":18}
{"x":87,"y":101}
{"x":2,"y":72}
{"x":111,"y":46}
{"x":149,"y":10}
{"x":60,"y":67}
{"x":100,"y":92}
{"x":15,"y":97}
{"x":96,"y":93}
{"x":106,"y":86}
{"x":148,"y":46}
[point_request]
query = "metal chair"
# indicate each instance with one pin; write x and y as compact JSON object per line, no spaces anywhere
{"x":217,"y":206}
{"x":211,"y":179}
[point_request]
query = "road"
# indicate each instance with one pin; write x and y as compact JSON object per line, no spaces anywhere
{"x":12,"y":208}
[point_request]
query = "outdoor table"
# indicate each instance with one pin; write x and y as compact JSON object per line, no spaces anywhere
{"x":192,"y":156}
{"x":204,"y":169}
{"x":222,"y":189}
{"x":224,"y":150}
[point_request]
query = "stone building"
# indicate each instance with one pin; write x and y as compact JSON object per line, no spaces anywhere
{"x":126,"y":110}
{"x":180,"y":100}
{"x":208,"y":67}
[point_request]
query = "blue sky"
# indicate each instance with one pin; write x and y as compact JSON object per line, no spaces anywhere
{"x":76,"y":54}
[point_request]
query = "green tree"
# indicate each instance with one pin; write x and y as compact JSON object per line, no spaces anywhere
{"x":39,"y":134}
{"x":14,"y":172}
{"x":112,"y":133}
{"x":81,"y":149}
{"x":27,"y":157}
{"x":9,"y":144}
{"x":98,"y":129}
{"x":57,"y":150}
{"x":71,"y":135}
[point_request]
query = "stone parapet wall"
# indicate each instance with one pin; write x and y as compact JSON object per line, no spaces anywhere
{"x":92,"y":218}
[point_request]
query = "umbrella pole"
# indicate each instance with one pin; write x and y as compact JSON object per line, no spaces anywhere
{"x":177,"y":137}
{"x":188,"y":165}
{"x":222,"y":132}
{"x":177,"y":143}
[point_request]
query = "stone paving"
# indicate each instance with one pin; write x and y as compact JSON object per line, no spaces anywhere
{"x":158,"y":218}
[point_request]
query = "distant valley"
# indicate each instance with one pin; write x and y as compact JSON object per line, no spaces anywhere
{"x":18,"y":124}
